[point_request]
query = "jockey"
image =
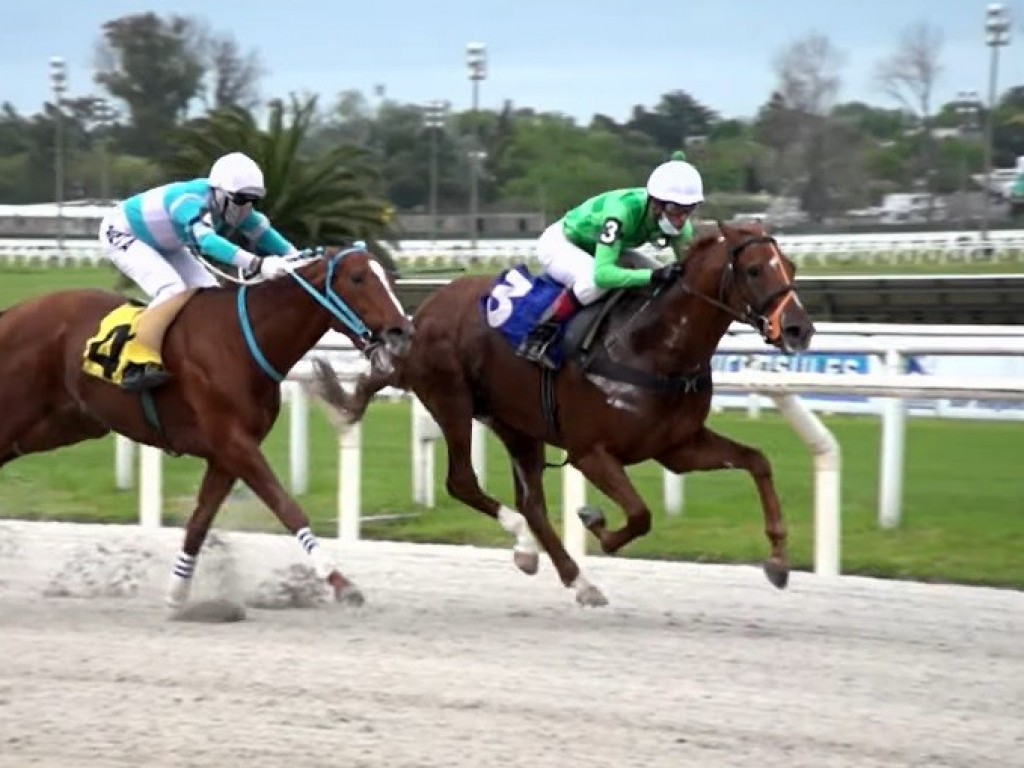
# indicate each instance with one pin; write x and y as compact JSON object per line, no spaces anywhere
{"x":582,"y":249}
{"x":148,"y":237}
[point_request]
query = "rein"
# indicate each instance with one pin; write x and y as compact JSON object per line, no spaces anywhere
{"x":754,"y":316}
{"x":700,"y":379}
{"x":328,"y":299}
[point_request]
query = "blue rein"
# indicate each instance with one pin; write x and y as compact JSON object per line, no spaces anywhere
{"x":329,"y":300}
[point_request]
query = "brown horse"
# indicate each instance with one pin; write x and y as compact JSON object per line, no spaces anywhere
{"x":642,"y":392}
{"x":227,"y":349}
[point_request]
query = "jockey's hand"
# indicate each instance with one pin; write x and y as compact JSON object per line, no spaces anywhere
{"x":273,"y":266}
{"x":667,"y":274}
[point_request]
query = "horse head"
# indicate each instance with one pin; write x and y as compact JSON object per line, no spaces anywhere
{"x":354,"y":289}
{"x":755,"y":286}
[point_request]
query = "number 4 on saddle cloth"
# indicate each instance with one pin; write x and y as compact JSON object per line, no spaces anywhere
{"x":129,"y":340}
{"x":518,"y":299}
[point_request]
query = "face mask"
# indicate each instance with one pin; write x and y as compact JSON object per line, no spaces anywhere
{"x":667,"y":227}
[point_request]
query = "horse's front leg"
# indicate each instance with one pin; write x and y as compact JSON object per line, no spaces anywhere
{"x":239,"y":453}
{"x":214,"y":489}
{"x":609,"y":476}
{"x":708,"y":451}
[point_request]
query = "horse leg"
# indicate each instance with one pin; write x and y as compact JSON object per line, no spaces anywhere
{"x":609,"y":476}
{"x":239,"y":455}
{"x":57,"y":429}
{"x":451,"y":406}
{"x":348,"y":408}
{"x":214,"y":489}
{"x":527,"y":454}
{"x":708,"y":451}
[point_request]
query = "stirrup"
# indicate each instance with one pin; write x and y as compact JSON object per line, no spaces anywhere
{"x":536,"y":344}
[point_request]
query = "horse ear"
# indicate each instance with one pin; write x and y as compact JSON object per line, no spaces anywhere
{"x":724,"y":228}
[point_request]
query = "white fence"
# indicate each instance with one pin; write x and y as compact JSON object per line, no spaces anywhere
{"x":888,"y":344}
{"x":1003,"y":246}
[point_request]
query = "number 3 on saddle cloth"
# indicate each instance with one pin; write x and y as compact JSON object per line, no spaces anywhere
{"x":516,"y":302}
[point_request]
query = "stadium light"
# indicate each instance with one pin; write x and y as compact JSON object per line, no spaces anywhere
{"x":476,"y":66}
{"x":59,"y":84}
{"x":105,"y":115}
{"x":435,"y":116}
{"x":997,"y":34}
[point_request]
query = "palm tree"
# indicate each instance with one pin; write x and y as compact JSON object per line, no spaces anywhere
{"x":321,"y":199}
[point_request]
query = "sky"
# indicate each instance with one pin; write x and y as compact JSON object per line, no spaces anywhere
{"x":602,"y":56}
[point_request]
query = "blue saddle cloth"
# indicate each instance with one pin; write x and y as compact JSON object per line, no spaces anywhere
{"x":515,"y":303}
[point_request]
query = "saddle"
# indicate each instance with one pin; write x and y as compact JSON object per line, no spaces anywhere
{"x":516,"y":301}
{"x":131,"y":334}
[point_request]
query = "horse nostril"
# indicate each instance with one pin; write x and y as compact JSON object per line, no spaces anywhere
{"x":798,"y":335}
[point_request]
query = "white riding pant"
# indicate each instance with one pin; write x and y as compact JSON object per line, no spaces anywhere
{"x":161,"y":277}
{"x":568,"y":264}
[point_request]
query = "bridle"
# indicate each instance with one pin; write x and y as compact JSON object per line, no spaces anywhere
{"x":760,"y":316}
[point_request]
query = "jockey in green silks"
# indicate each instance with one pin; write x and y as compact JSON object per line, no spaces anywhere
{"x":581,"y":250}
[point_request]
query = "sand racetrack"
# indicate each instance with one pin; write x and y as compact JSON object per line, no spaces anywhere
{"x":457,"y":660}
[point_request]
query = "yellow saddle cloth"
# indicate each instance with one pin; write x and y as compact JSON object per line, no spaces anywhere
{"x":116,"y":344}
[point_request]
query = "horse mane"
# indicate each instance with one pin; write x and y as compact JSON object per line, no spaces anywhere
{"x":702,"y":243}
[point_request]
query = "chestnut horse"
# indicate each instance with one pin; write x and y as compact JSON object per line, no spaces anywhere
{"x":641,"y":392}
{"x":228,"y":350}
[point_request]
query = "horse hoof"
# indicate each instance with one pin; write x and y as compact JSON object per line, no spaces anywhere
{"x":345,"y":591}
{"x":591,"y":516}
{"x":350,"y":595}
{"x":527,"y":562}
{"x":777,"y":573}
{"x":591,"y":597}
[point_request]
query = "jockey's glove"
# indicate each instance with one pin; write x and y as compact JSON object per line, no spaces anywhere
{"x":272,"y":266}
{"x":667,"y":274}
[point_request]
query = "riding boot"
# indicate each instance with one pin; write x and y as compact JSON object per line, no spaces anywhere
{"x":144,"y":368}
{"x":144,"y":375}
{"x":537,"y":342}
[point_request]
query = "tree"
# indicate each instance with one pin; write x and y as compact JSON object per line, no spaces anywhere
{"x":677,"y":117}
{"x":234,"y":76}
{"x":775,"y":127}
{"x":554,"y":164}
{"x":908,"y":77}
{"x":872,"y":122}
{"x":1008,"y":138}
{"x":323,"y":198}
{"x":155,"y":66}
{"x":808,"y":84}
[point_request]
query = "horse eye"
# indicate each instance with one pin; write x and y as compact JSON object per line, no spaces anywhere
{"x":753,"y":271}
{"x":359,"y":277}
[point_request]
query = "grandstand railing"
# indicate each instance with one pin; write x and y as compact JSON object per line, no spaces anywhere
{"x":1004,"y":246}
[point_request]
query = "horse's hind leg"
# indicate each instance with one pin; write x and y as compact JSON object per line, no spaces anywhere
{"x":709,"y":451}
{"x":45,"y":432}
{"x":214,"y":489}
{"x":527,"y":454}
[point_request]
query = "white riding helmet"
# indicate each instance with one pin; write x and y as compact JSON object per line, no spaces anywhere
{"x":232,"y":175}
{"x":676,"y":182}
{"x":237,"y":173}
